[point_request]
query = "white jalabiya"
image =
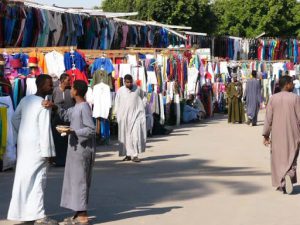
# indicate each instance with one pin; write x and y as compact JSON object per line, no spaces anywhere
{"x":102,"y":101}
{"x":55,"y":64}
{"x":31,"y":122}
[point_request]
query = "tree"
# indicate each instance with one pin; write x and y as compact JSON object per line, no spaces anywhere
{"x":193,"y":13}
{"x":245,"y":18}
{"x":250,"y":18}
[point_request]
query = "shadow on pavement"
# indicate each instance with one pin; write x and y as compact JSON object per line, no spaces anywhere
{"x":122,"y":190}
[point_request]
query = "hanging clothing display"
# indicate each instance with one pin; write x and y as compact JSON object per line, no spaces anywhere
{"x":101,"y":100}
{"x":55,"y":64}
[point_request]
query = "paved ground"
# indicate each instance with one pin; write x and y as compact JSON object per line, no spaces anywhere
{"x":210,"y":173}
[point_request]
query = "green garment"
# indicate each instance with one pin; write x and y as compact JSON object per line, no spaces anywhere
{"x":236,"y":111}
{"x":3,"y":127}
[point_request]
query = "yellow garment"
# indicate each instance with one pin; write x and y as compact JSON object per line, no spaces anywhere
{"x":3,"y":140}
{"x":41,"y":60}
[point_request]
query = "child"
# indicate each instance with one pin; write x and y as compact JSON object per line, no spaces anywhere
{"x":80,"y":155}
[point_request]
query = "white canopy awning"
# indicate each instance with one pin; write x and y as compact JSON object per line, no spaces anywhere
{"x":195,"y":33}
{"x":88,"y":12}
{"x":154,"y":23}
{"x":129,"y":22}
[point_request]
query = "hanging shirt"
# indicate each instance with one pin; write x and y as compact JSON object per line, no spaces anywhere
{"x":59,"y":27}
{"x":76,"y":59}
{"x":193,"y":74}
{"x":102,"y":100}
{"x":101,"y":76}
{"x":76,"y":74}
{"x":152,"y":79}
{"x":104,"y":64}
{"x":124,"y":70}
{"x":277,"y":67}
{"x":55,"y":64}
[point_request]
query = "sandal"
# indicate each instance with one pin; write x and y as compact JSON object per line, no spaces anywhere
{"x":68,"y":219}
{"x":136,"y":160}
{"x":127,"y":158}
{"x":74,"y":221}
{"x":46,"y":221}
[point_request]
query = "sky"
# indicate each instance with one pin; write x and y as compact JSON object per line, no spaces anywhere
{"x":72,"y":3}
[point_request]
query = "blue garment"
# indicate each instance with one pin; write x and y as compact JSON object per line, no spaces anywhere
{"x":78,"y":61}
{"x":10,"y":22}
{"x":168,"y":70}
{"x":16,"y":92}
{"x":151,"y":66}
{"x":24,"y":61}
{"x":151,"y":35}
{"x":143,"y":33}
{"x":141,"y":56}
{"x":264,"y":75}
{"x":29,"y":26}
{"x":164,"y":38}
{"x":133,"y":35}
{"x":104,"y":31}
{"x":185,"y":71}
{"x":102,"y":63}
{"x":296,"y":53}
{"x":105,"y":129}
{"x":150,"y":88}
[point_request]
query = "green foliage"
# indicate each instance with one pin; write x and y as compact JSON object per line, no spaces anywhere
{"x":247,"y":18}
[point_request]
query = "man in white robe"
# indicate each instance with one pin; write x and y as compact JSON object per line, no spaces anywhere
{"x":131,"y":117}
{"x":35,"y":147}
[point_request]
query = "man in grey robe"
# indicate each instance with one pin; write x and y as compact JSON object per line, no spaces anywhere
{"x":252,"y":96}
{"x":131,"y":117}
{"x":80,"y":155}
{"x":62,"y":98}
{"x":282,"y":123}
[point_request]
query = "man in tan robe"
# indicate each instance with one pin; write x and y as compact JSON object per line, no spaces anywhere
{"x":283,"y":123}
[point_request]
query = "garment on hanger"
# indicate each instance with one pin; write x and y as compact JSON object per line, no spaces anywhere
{"x":104,"y":64}
{"x":102,"y":100}
{"x":9,"y":157}
{"x":55,"y":64}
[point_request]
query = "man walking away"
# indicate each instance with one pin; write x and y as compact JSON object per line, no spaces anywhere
{"x":31,"y":122}
{"x":131,"y":119}
{"x":252,"y":97}
{"x":282,"y":123}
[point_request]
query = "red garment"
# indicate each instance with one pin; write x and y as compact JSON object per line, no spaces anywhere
{"x":208,"y":76}
{"x":119,"y":61}
{"x":77,"y":75}
{"x":290,"y":66}
{"x":179,"y":74}
{"x":259,"y":51}
{"x":277,"y":49}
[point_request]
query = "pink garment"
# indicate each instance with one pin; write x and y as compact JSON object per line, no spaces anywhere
{"x":125,"y":33}
{"x":116,"y":71}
